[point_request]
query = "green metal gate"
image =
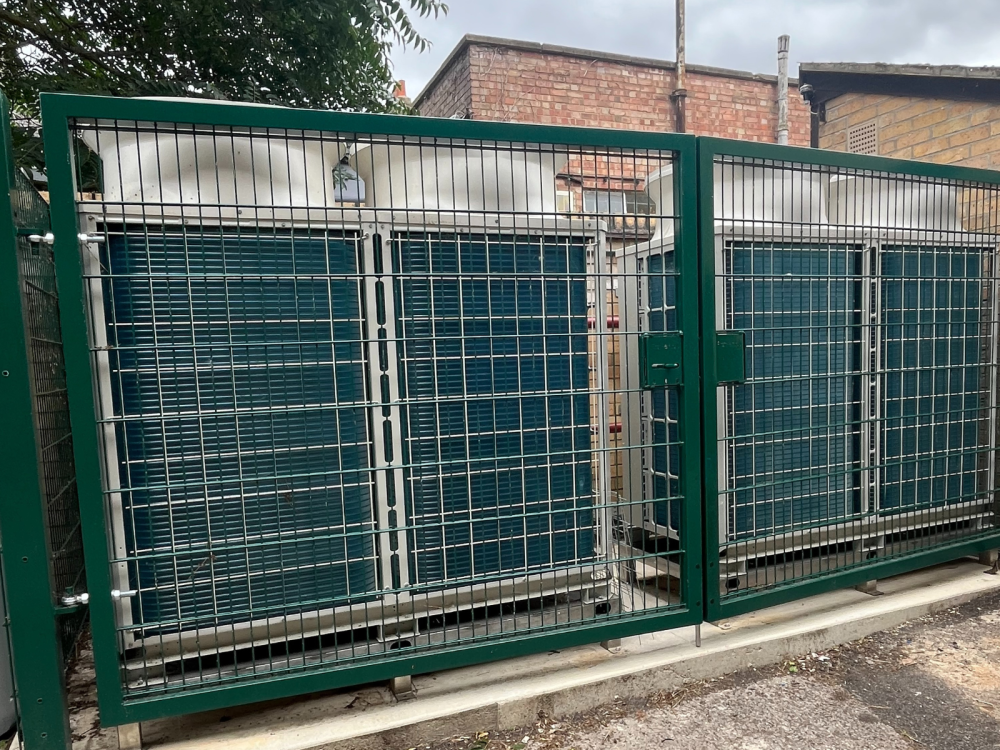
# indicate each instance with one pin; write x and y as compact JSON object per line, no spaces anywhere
{"x":857,"y":439}
{"x":355,"y":397}
{"x":346,"y":393}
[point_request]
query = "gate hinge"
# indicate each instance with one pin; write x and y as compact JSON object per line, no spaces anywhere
{"x":730,"y":357}
{"x":70,"y":603}
{"x":660,"y":359}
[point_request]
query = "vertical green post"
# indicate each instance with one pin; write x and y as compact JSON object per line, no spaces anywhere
{"x":705,"y":211}
{"x":688,"y":299}
{"x":34,"y":632}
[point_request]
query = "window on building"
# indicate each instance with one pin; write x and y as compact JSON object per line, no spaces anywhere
{"x":637,"y":202}
{"x":564,"y":201}
{"x":617,"y":202}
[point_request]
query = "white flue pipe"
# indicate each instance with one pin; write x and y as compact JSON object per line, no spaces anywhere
{"x":783,"y":89}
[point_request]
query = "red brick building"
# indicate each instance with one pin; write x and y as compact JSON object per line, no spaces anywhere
{"x":512,"y":81}
{"x":501,"y":79}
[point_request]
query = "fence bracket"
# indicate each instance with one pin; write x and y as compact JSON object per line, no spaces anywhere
{"x":730,"y":355}
{"x":660,"y":359}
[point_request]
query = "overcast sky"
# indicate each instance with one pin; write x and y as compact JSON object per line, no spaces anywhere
{"x":738,"y":34}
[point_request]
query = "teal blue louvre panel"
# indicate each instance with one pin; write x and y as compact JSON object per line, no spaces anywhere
{"x":936,"y":392}
{"x":496,"y":400}
{"x":794,"y":426}
{"x":239,"y":410}
{"x":661,"y":477}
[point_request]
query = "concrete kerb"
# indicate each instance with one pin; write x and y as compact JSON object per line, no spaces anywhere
{"x":511,"y":694}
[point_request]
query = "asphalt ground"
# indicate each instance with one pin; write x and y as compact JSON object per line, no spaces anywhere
{"x":933,"y":683}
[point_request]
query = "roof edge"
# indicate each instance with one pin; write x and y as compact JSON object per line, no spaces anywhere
{"x":443,"y":68}
{"x":902,"y":69}
{"x":953,"y":82}
{"x":585,"y":54}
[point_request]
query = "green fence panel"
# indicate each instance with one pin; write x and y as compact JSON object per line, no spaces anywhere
{"x":348,"y":392}
{"x":39,"y":517}
{"x":860,"y":441}
{"x":360,"y":396}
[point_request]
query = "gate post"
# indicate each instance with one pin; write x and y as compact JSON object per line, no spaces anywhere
{"x":33,"y":630}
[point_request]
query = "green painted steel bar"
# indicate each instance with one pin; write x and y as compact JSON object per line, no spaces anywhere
{"x":709,"y":378}
{"x":842,"y":159}
{"x":249,"y":116}
{"x":34,"y":632}
{"x":847,"y":577}
{"x":692,"y":390}
{"x":387,"y":667}
{"x":69,"y":277}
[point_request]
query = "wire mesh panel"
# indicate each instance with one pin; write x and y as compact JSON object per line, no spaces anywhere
{"x":862,"y":429}
{"x":239,"y":377}
{"x":40,"y":311}
{"x":502,"y":440}
{"x":796,"y":420}
{"x":651,"y":483}
{"x":356,"y":394}
{"x":935,"y":345}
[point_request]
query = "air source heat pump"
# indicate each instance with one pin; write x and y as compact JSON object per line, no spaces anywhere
{"x":327,"y":423}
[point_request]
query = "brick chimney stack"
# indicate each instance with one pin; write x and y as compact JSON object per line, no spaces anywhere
{"x":400,"y":93}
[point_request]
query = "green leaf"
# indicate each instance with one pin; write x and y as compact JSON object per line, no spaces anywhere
{"x":330,"y":54}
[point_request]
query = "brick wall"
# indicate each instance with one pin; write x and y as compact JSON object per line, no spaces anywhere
{"x":515,"y":85}
{"x":938,"y":130}
{"x":453,"y":93}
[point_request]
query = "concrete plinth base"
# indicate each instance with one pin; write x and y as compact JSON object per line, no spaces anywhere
{"x":510,"y":694}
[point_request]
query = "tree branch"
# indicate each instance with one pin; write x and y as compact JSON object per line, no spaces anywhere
{"x":54,"y":39}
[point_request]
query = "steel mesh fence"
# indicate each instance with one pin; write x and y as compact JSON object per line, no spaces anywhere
{"x":40,"y":311}
{"x":865,"y":429}
{"x":364,"y":396}
{"x":374,"y":401}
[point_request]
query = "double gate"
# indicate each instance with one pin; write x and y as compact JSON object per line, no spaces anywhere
{"x":360,"y":396}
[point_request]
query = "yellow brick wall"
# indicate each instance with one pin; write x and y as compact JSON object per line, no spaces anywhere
{"x":938,"y":130}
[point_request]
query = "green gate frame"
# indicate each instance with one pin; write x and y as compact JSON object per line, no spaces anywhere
{"x":36,"y":649}
{"x":713,"y":374}
{"x":59,"y":112}
{"x":33,"y":613}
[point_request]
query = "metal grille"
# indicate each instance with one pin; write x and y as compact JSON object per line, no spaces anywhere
{"x":226,"y":349}
{"x":799,"y":304}
{"x":517,"y":385}
{"x":360,"y":396}
{"x":865,"y":429}
{"x":863,"y":138}
{"x":651,"y":418}
{"x":40,"y":310}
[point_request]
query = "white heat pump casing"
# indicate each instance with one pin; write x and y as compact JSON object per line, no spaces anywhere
{"x":426,"y":179}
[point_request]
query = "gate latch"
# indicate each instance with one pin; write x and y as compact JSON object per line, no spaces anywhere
{"x":660,"y":359}
{"x":730,"y":354}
